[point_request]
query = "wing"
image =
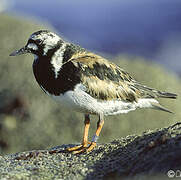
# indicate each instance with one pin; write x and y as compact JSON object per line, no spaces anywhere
{"x":104,"y":80}
{"x":107,"y":81}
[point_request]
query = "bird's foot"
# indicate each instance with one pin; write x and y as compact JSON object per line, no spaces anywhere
{"x":82,"y":148}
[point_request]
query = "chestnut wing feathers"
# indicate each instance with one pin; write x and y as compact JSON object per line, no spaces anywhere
{"x":104,"y":80}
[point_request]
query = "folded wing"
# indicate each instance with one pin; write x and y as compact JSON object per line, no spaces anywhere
{"x":106,"y":81}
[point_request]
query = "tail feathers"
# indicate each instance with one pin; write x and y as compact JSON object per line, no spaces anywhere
{"x":151,"y":92}
{"x":157,"y":106}
{"x":167,"y":95}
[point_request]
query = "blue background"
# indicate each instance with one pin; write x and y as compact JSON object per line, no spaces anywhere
{"x":150,"y":29}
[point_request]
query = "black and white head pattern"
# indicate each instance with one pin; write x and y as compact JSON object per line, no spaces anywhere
{"x":47,"y":44}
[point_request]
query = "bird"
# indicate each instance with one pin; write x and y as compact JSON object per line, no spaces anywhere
{"x":85,"y":82}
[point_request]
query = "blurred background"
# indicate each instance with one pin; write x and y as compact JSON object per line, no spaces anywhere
{"x":142,"y":37}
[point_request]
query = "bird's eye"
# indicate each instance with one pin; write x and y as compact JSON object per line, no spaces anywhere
{"x":38,"y":41}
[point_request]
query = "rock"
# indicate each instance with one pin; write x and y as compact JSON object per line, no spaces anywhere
{"x":150,"y":155}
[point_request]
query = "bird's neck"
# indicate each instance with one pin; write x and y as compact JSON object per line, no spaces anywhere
{"x":61,"y":53}
{"x":70,"y":50}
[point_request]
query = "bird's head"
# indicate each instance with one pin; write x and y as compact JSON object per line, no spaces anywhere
{"x":40,"y":43}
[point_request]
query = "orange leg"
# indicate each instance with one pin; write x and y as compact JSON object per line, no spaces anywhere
{"x":85,"y":136}
{"x":86,"y":131}
{"x":100,"y":124}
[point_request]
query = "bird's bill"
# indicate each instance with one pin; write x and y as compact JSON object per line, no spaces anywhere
{"x":23,"y":50}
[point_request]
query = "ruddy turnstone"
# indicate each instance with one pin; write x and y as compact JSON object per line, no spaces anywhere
{"x":85,"y":82}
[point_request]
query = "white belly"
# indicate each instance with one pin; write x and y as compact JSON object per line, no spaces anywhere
{"x":80,"y":101}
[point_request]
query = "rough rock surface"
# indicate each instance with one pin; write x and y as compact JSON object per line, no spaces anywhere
{"x":151,"y":154}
